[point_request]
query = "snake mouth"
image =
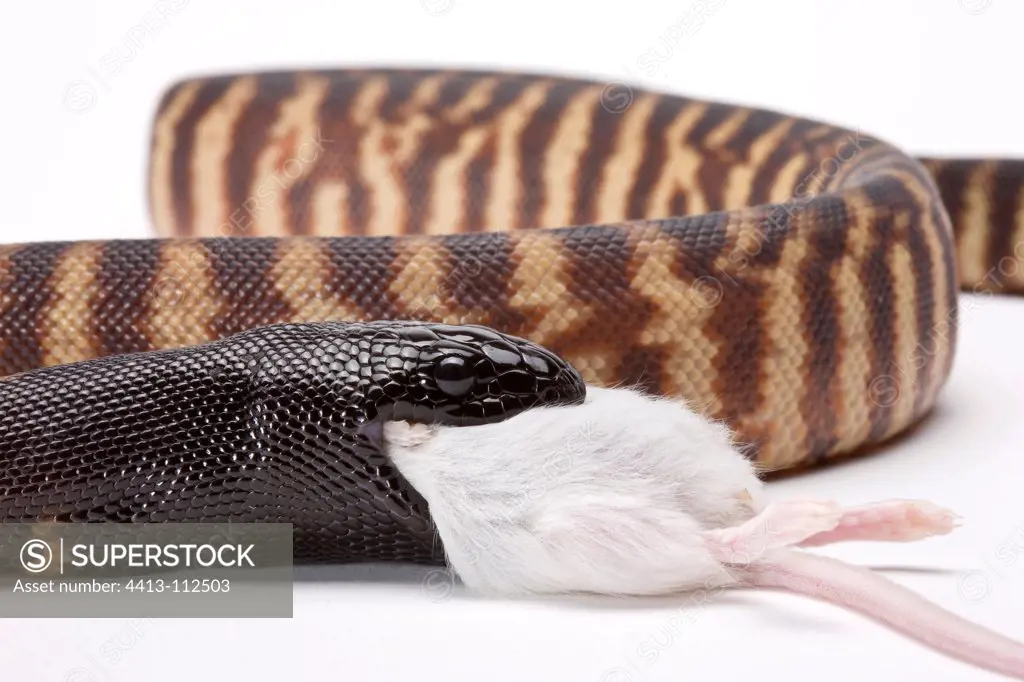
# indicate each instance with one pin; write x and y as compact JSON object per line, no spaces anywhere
{"x":566,"y":388}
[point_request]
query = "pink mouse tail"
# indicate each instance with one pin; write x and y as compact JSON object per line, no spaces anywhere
{"x":875,"y":596}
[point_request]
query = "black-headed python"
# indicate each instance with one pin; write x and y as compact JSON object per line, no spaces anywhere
{"x":794,"y":279}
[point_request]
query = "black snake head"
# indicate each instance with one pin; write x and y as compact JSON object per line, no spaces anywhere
{"x":468,"y":374}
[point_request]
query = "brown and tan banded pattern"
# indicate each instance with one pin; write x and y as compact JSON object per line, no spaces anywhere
{"x":795,"y":279}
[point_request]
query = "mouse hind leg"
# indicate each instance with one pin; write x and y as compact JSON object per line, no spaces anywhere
{"x":798,"y":523}
{"x":888,"y":521}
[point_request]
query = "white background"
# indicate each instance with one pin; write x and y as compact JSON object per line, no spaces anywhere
{"x":934,"y":76}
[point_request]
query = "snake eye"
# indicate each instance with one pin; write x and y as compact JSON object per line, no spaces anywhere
{"x":454,"y":375}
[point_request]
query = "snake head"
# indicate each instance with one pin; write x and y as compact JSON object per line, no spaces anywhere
{"x":466,"y":375}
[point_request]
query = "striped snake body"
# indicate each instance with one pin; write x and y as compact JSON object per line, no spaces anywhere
{"x":794,"y":279}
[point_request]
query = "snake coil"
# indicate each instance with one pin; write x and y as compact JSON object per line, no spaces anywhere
{"x":794,"y":279}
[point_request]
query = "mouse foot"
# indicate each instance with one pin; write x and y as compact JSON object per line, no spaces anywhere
{"x":798,"y":523}
{"x":888,"y":521}
{"x":780,"y":524}
{"x":407,"y":434}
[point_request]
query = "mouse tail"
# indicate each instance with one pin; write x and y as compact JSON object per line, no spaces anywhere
{"x":862,"y":590}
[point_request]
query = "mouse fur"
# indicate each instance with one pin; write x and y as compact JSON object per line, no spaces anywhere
{"x":610,"y":496}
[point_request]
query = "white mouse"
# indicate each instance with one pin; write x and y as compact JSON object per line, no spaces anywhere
{"x":628,"y":494}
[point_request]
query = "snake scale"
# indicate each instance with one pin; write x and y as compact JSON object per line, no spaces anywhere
{"x":794,"y":279}
{"x":278,"y":424}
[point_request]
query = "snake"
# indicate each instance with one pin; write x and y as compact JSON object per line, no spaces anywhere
{"x":793,"y":279}
{"x":278,"y":424}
